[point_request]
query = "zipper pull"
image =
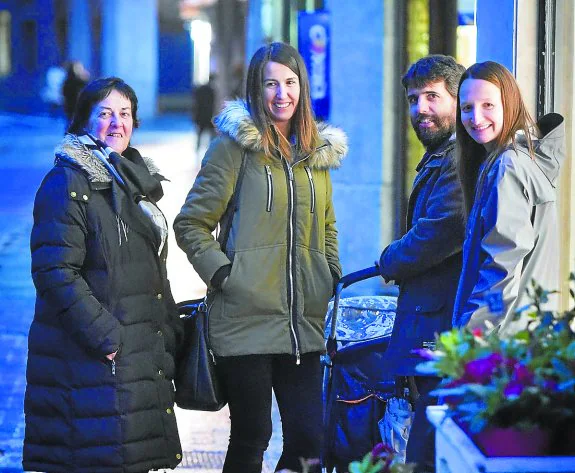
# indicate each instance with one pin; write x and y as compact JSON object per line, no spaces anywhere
{"x":113,"y":368}
{"x":297,"y":358}
{"x":213,"y":356}
{"x":309,"y":173}
{"x":290,"y":172}
{"x":268,"y":170}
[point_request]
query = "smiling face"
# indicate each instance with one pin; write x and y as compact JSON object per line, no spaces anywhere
{"x":281,"y":94}
{"x":111,"y":121}
{"x":481,"y":111}
{"x":432,"y":112}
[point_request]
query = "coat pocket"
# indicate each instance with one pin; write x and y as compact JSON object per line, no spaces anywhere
{"x":316,"y":282}
{"x":257,"y":283}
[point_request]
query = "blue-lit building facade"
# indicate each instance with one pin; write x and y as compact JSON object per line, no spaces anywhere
{"x":133,"y":39}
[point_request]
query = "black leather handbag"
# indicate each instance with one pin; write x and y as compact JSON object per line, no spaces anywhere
{"x":197,"y":384}
{"x":196,"y":380}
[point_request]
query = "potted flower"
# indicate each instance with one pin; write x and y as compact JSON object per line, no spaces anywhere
{"x":514,"y":396}
{"x":381,"y":459}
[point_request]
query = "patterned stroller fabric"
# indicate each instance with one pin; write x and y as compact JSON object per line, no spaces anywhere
{"x":362,"y":318}
{"x":359,"y":380}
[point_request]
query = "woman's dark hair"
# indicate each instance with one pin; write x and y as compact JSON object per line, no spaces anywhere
{"x":94,"y":93}
{"x":469,"y":155}
{"x":303,"y":125}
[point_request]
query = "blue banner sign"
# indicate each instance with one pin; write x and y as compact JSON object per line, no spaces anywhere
{"x":313,"y":44}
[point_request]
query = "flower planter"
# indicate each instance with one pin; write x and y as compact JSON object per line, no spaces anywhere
{"x":457,"y":453}
{"x":511,"y":442}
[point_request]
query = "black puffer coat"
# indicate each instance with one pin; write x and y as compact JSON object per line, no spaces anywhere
{"x":101,"y":286}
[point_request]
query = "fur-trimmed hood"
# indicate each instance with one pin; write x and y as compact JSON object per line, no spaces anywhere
{"x":236,"y":122}
{"x":73,"y":151}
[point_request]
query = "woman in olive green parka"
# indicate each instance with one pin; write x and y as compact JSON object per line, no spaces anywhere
{"x":272,"y":284}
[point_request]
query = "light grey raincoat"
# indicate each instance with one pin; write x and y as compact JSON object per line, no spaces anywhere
{"x":512,"y":235}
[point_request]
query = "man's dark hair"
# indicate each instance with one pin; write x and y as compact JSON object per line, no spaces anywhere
{"x":93,"y":94}
{"x":434,"y":68}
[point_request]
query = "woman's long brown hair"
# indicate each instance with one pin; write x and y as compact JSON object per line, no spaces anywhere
{"x":469,"y":155}
{"x":303,"y":126}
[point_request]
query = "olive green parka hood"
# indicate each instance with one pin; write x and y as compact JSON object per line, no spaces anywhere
{"x":236,"y":122}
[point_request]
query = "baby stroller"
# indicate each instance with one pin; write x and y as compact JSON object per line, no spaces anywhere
{"x":357,"y":379}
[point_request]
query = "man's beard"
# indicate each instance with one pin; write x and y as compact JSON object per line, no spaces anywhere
{"x":431,"y":138}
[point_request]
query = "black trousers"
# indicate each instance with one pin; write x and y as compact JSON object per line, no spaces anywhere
{"x":421,"y":442}
{"x":249,"y":381}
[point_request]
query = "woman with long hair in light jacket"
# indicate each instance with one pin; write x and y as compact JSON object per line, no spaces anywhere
{"x":271,"y":284}
{"x":508,"y":168}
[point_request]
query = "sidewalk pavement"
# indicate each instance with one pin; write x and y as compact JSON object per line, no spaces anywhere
{"x":26,"y":150}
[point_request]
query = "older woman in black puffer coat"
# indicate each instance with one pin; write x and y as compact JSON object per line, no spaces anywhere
{"x":99,"y":394}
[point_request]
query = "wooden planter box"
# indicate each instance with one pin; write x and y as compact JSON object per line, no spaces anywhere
{"x":456,"y":453}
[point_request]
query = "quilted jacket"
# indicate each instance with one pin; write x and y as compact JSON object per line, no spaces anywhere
{"x":101,"y":286}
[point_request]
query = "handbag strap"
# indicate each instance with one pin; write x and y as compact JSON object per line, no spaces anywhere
{"x":232,"y":205}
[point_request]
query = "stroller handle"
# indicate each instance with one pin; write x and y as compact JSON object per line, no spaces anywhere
{"x":344,"y":282}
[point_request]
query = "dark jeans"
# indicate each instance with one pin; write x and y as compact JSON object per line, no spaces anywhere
{"x":421,"y":443}
{"x":248,"y":381}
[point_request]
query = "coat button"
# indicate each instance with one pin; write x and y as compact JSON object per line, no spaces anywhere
{"x":178,"y":456}
{"x":168,"y":411}
{"x":159,"y":332}
{"x":159,"y":296}
{"x":73,"y":194}
{"x":418,"y":308}
{"x":160,"y":372}
{"x":85,"y":197}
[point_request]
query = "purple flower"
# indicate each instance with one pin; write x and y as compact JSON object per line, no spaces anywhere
{"x":482,"y":369}
{"x":522,"y":375}
{"x":381,"y":450}
{"x":514,"y":388}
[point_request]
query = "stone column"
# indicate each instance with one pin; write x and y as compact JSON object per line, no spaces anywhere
{"x":130,"y":48}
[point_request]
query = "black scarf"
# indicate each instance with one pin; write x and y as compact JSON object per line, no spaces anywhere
{"x":132,"y":179}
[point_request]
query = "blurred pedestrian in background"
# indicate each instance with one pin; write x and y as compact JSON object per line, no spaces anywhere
{"x":269,"y":288}
{"x":101,"y":348}
{"x":52,"y":90}
{"x":508,"y":168}
{"x":237,"y":88}
{"x":203,"y":109}
{"x":76,"y":78}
